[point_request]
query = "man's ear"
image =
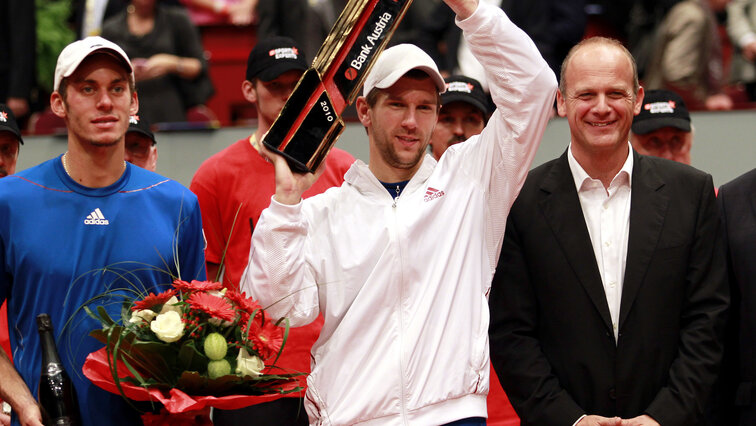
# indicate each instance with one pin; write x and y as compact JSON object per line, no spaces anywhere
{"x":249,"y":91}
{"x":363,"y":110}
{"x":57,"y":105}
{"x":134,"y":108}
{"x":561,"y":107}
{"x":639,"y":101}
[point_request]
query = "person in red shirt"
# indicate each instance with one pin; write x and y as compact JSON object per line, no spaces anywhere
{"x":235,"y":185}
{"x":10,"y":142}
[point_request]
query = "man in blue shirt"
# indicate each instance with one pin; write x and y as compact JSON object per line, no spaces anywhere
{"x":85,"y":223}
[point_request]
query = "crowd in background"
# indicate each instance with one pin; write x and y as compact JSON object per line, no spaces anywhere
{"x":702,"y":49}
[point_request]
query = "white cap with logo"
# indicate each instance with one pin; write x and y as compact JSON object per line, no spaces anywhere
{"x":73,"y":55}
{"x":396,"y":61}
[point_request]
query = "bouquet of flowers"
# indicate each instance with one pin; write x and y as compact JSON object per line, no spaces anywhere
{"x":193,"y":346}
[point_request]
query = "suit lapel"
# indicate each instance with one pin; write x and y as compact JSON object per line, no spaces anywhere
{"x":561,"y":207}
{"x":648,"y":207}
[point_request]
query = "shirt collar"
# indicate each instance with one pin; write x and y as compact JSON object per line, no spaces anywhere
{"x":580,"y":176}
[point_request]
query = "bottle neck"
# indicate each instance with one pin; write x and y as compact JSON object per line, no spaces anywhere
{"x":49,"y":351}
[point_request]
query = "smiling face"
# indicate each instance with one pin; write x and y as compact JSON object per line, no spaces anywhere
{"x":399,"y":126}
{"x":599,"y":100}
{"x":97,"y":102}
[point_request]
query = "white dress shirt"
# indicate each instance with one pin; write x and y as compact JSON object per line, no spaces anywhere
{"x":607,"y":216}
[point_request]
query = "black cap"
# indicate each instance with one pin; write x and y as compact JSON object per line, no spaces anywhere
{"x":465,"y":89}
{"x":274,"y":56}
{"x":8,"y":122}
{"x":661,"y":108}
{"x":140,"y":125}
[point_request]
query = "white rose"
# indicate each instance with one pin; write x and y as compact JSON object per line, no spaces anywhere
{"x":168,"y":326}
{"x":171,"y":305}
{"x":142,"y":315}
{"x":248,"y":365}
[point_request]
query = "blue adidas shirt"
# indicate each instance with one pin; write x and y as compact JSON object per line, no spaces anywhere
{"x":62,"y":244}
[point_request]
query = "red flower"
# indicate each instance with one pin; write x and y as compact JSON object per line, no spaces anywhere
{"x":214,"y":306}
{"x":153,"y":300}
{"x":266,"y":339}
{"x":197,"y":285}
{"x":246,"y":304}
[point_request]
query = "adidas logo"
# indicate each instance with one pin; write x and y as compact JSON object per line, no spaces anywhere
{"x":96,"y":218}
{"x":432,"y":193}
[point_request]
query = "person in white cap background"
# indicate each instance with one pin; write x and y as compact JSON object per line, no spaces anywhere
{"x":81,"y":212}
{"x":399,"y":259}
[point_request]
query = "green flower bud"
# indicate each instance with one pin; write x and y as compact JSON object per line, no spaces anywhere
{"x":215,"y":346}
{"x":218,"y":368}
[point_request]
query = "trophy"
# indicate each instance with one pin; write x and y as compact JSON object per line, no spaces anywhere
{"x":310,"y":121}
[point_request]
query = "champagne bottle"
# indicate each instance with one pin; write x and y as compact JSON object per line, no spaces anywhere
{"x":57,"y":396}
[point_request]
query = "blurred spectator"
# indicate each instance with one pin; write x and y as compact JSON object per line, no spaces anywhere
{"x":141,"y":146}
{"x":165,"y":49}
{"x":662,"y":128}
{"x":308,"y":22}
{"x":10,"y":141}
{"x":554,"y":26}
{"x":687,"y":57}
{"x":741,"y":26}
{"x":464,"y":112}
{"x":17,"y":54}
{"x":645,"y":16}
{"x":89,"y":15}
{"x":209,"y":12}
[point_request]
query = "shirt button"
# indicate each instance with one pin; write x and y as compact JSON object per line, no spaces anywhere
{"x":612,"y":284}
{"x":607,"y":243}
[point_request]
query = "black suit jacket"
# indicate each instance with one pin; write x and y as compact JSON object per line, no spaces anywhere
{"x":552,"y":342}
{"x":737,"y":201}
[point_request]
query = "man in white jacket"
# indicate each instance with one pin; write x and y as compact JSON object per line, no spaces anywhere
{"x":399,"y":259}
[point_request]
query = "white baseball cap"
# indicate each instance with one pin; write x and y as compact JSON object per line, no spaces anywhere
{"x":395,"y":61}
{"x":73,"y":55}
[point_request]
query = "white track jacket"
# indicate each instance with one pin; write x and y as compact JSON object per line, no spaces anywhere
{"x":403,"y":283}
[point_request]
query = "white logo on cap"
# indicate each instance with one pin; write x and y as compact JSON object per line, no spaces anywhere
{"x":3,"y":116}
{"x":459,"y":86}
{"x":284,"y":53}
{"x":661,"y":107}
{"x":134,"y":119}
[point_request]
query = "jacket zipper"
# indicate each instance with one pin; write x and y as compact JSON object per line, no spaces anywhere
{"x":402,"y":367}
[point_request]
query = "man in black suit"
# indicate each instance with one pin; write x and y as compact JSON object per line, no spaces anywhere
{"x":609,"y":300}
{"x":737,"y":202}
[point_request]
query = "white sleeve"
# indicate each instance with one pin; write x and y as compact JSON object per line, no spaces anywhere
{"x":277,"y":274}
{"x":523,"y":88}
